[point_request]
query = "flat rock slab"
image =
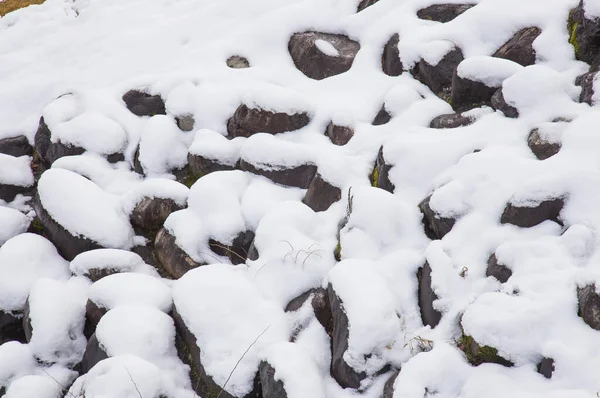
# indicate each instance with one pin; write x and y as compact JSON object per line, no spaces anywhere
{"x":443,"y":12}
{"x":321,"y":194}
{"x":526,"y":217}
{"x":144,"y":104}
{"x":321,"y":55}
{"x":390,"y":59}
{"x":519,"y":48}
{"x":426,"y":296}
{"x":16,"y":146}
{"x":248,"y":121}
{"x":299,"y":176}
{"x":451,"y":121}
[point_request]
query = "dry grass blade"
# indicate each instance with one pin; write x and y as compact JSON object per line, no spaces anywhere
{"x":59,"y":383}
{"x":228,"y":250}
{"x":135,"y":385}
{"x":240,"y":360}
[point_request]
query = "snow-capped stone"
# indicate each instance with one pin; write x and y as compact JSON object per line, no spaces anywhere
{"x":519,"y":48}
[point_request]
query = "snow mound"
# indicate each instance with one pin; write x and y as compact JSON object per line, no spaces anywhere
{"x":163,"y":147}
{"x":212,"y":145}
{"x":15,"y":171}
{"x":490,"y":71}
{"x":110,"y":259}
{"x":12,"y":223}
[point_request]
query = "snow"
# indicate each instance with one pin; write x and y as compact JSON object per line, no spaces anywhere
{"x":12,"y":223}
{"x":490,"y":71}
{"x":15,"y":171}
{"x":327,"y":48}
{"x":83,"y":208}
{"x":130,"y":288}
{"x":223,"y":339}
{"x":23,"y":260}
{"x":110,"y":259}
{"x":71,"y":62}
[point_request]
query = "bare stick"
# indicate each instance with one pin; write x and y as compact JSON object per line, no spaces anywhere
{"x":240,"y":360}
{"x":135,"y":385}
{"x":59,"y":383}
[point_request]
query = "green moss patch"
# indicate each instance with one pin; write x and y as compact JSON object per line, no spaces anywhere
{"x":476,"y":354}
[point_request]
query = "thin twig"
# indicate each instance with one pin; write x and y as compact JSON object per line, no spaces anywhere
{"x":228,"y":250}
{"x":135,"y":385}
{"x":240,"y":360}
{"x":59,"y":383}
{"x":292,"y":247}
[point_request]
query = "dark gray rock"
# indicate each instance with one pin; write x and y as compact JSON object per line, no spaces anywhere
{"x":93,"y":314}
{"x":299,"y":176}
{"x":144,"y":104}
{"x":390,"y":59}
{"x":429,"y":315}
{"x":583,"y":35}
{"x":237,"y":252}
{"x":451,"y":121}
{"x":313,"y":62}
{"x":436,"y":227}
{"x":467,"y":94}
{"x":339,"y":135}
{"x":321,"y":194}
{"x":542,"y":148}
{"x":237,"y":62}
{"x":345,"y":375}
{"x":173,"y":259}
{"x":271,"y":388}
{"x":67,"y":244}
{"x":49,"y":151}
{"x":253,"y":254}
{"x":200,"y":166}
{"x":185,"y":122}
{"x":189,"y":353}
{"x":248,"y":121}
{"x":382,"y":117}
{"x":589,"y":305}
{"x":443,"y":12}
{"x":380,"y":176}
{"x":11,"y":327}
{"x":94,"y":353}
{"x":365,"y":3}
{"x":16,"y":146}
{"x":499,"y":104}
{"x":546,"y":367}
{"x":497,"y":270}
{"x":150,"y":213}
{"x":439,"y":77}
{"x":519,"y":48}
{"x":388,"y":388}
{"x":525,"y":217}
{"x":27,"y":327}
{"x":319,"y":300}
{"x":9,"y":192}
{"x":586,"y":82}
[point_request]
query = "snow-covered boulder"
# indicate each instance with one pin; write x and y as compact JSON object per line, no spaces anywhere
{"x":200,"y":298}
{"x":443,"y":12}
{"x":583,"y":27}
{"x":212,"y":152}
{"x":12,"y":223}
{"x":321,"y":55}
{"x":545,"y":140}
{"x":319,"y":302}
{"x":380,"y":175}
{"x":273,"y":110}
{"x":436,"y":67}
{"x":16,"y":177}
{"x":99,"y":263}
{"x":78,"y":215}
{"x":519,"y":48}
{"x":338,"y":133}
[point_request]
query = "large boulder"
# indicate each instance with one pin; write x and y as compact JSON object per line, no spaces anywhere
{"x":426,"y":296}
{"x":16,"y":146}
{"x":321,"y":55}
{"x":248,"y":120}
{"x":143,"y":104}
{"x":390,"y":59}
{"x":78,"y":215}
{"x":438,"y":75}
{"x":584,"y":31}
{"x":519,"y":48}
{"x":443,"y":12}
{"x":321,"y":194}
{"x":49,"y":151}
{"x":173,"y":259}
{"x":532,"y":213}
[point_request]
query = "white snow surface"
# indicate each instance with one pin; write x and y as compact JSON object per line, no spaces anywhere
{"x":71,"y":62}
